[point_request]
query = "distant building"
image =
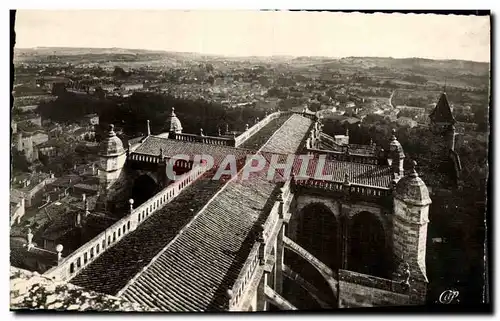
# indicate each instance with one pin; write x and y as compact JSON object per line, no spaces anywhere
{"x":27,"y":141}
{"x":132,"y":86}
{"x":87,"y":134}
{"x":406,"y":121}
{"x":30,"y":185}
{"x":17,"y":208}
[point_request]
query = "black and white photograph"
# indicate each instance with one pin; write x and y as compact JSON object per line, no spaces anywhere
{"x":249,"y":160}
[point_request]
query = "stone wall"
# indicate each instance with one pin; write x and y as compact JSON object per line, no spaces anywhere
{"x":361,"y":290}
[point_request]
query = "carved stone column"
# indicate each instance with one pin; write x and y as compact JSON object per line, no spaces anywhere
{"x":262,"y":304}
{"x":280,"y":261}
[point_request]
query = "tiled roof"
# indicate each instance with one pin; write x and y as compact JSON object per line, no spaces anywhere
{"x":194,"y":272}
{"x":135,"y":140}
{"x":111,"y":271}
{"x":204,"y":261}
{"x":365,"y":174}
{"x":171,"y":147}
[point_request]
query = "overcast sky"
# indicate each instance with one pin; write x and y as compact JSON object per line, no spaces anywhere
{"x":249,"y":33}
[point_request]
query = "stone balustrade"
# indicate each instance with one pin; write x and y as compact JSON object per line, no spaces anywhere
{"x":255,"y":128}
{"x":83,"y":256}
{"x":351,"y":189}
{"x":211,"y":140}
{"x":346,"y":157}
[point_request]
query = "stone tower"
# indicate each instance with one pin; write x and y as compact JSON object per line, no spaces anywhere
{"x":411,"y":217}
{"x":112,"y":157}
{"x":443,"y":128}
{"x":174,"y":126}
{"x":396,"y":156}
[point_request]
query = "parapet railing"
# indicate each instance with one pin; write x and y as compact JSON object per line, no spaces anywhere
{"x":211,"y":140}
{"x":255,"y":128}
{"x":346,"y":157}
{"x":350,"y":189}
{"x":69,"y":266}
{"x":353,"y":148}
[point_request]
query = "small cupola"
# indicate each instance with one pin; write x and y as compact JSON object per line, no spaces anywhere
{"x":111,"y":145}
{"x":411,"y":189}
{"x":174,"y":125}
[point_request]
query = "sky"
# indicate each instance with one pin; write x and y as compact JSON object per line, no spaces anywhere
{"x":254,"y":33}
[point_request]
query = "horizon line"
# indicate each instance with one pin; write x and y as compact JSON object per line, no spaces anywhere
{"x":259,"y":56}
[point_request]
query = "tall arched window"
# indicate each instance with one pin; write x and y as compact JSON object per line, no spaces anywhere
{"x":367,"y":250}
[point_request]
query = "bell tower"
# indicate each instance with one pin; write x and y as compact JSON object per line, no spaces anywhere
{"x":443,"y":126}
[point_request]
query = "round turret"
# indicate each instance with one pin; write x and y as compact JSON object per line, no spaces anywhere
{"x":175,"y":124}
{"x":395,"y":148}
{"x":412,"y":190}
{"x":111,"y":145}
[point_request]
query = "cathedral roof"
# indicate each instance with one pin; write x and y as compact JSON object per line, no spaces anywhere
{"x":442,"y":112}
{"x":412,"y":189}
{"x":174,"y":124}
{"x":195,"y":267}
{"x":111,"y":145}
{"x":191,"y":271}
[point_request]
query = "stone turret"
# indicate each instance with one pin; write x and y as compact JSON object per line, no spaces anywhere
{"x":396,"y":156}
{"x":112,"y":157}
{"x":174,"y":124}
{"x":411,"y":217}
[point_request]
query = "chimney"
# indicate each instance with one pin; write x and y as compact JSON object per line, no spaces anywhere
{"x":246,"y":127}
{"x":148,"y":128}
{"x":84,"y":198}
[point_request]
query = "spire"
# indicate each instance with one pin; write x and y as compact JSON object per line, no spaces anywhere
{"x":218,"y":131}
{"x":442,"y":112}
{"x":148,"y":128}
{"x":227,"y":129}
